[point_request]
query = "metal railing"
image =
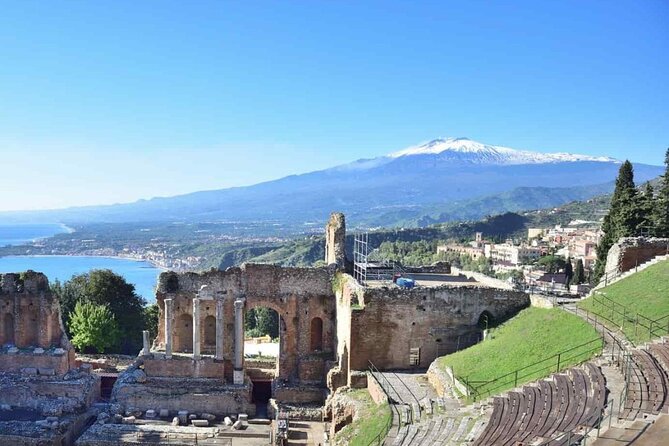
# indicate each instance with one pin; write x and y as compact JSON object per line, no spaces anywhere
{"x":379,"y":439}
{"x":582,"y":438}
{"x":536,"y":370}
{"x":619,"y":316}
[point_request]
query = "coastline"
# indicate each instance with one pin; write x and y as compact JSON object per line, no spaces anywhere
{"x":134,"y":259}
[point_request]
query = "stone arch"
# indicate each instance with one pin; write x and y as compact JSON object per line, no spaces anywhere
{"x":7,"y":329}
{"x":184,"y":333}
{"x":210,"y":331}
{"x":316,"y":331}
{"x":486,"y":320}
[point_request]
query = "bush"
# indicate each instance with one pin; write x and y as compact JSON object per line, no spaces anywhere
{"x":94,"y":328}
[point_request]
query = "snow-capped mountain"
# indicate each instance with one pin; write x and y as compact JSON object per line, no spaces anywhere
{"x":466,"y":150}
{"x":459,"y":177}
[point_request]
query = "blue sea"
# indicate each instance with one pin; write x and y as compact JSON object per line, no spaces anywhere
{"x":141,"y":274}
{"x":20,"y":234}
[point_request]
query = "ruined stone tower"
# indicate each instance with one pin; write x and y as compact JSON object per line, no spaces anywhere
{"x":335,"y":240}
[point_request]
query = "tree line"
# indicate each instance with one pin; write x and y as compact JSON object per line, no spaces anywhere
{"x":102,"y":313}
{"x":634,"y":212}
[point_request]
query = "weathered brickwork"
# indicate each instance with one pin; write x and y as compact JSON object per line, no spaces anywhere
{"x":632,"y":251}
{"x":29,"y":313}
{"x":387,"y":323}
{"x":37,"y":367}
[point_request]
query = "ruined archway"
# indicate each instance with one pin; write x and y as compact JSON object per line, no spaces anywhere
{"x":316,"y":343}
{"x":263,"y":328}
{"x":183,"y":336}
{"x":31,"y":328}
{"x":210,"y":331}
{"x":485,"y":321}
{"x":7,"y":329}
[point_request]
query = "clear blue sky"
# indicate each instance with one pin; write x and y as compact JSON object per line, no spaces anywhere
{"x":104,"y":102}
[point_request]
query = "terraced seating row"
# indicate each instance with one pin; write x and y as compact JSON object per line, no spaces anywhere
{"x":647,"y":382}
{"x":437,"y":430}
{"x":567,"y":402}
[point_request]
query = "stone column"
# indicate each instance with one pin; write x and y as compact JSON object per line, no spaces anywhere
{"x":238,"y":372}
{"x":168,"y":327}
{"x":145,"y":338}
{"x":219,"y":329}
{"x":196,"y":329}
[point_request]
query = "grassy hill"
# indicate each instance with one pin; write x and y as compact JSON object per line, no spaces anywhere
{"x":645,"y":293}
{"x":530,"y":342}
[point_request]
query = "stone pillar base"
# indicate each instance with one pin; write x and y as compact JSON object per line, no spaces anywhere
{"x":238,"y":377}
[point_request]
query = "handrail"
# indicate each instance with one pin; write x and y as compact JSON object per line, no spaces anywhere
{"x":653,"y":326}
{"x":517,"y":376}
{"x":406,"y":387}
{"x":380,"y":437}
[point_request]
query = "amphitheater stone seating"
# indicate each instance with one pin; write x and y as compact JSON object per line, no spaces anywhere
{"x":648,"y":383}
{"x":555,"y":411}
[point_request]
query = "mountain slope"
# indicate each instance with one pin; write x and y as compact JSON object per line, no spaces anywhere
{"x":426,"y":178}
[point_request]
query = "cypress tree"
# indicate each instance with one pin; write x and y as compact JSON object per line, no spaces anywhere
{"x":569,"y":271}
{"x":661,"y":208}
{"x":579,"y":273}
{"x":623,"y":217}
{"x":646,"y":209}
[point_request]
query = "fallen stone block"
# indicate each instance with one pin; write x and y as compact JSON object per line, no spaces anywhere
{"x":175,"y":421}
{"x":238,"y":425}
{"x":192,"y":416}
{"x":183,"y":417}
{"x":243,"y":417}
{"x":29,"y":371}
{"x":208,"y":416}
{"x":129,"y":420}
{"x":150,"y":414}
{"x":164,"y":413}
{"x":12,"y":350}
{"x":47,"y":371}
{"x":200,"y":423}
{"x":227,"y":421}
{"x":58,"y":351}
{"x":38,"y":351}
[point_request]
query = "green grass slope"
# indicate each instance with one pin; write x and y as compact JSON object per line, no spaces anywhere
{"x":645,"y":293}
{"x":531,"y":342}
{"x":370,"y":422}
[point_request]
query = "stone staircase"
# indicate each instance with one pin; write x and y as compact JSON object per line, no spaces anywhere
{"x":435,"y":424}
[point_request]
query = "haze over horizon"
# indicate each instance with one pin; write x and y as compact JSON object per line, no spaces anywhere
{"x":113,"y":103}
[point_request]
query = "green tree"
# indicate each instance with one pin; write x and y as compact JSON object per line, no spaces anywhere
{"x":568,"y":271}
{"x":103,"y":287}
{"x":94,"y":328}
{"x":552,"y":264}
{"x":267,"y":322}
{"x":623,"y":217}
{"x":579,"y":273}
{"x":151,"y":317}
{"x":661,"y":208}
{"x":646,"y":206}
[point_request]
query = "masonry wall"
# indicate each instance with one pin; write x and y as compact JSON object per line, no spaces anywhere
{"x":632,"y":251}
{"x":29,"y":313}
{"x":389,"y":322}
{"x":298,"y":295}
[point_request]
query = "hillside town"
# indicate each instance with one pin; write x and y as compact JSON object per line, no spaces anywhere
{"x":568,"y":252}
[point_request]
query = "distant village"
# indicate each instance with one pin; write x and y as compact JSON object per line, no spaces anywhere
{"x":572,"y":247}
